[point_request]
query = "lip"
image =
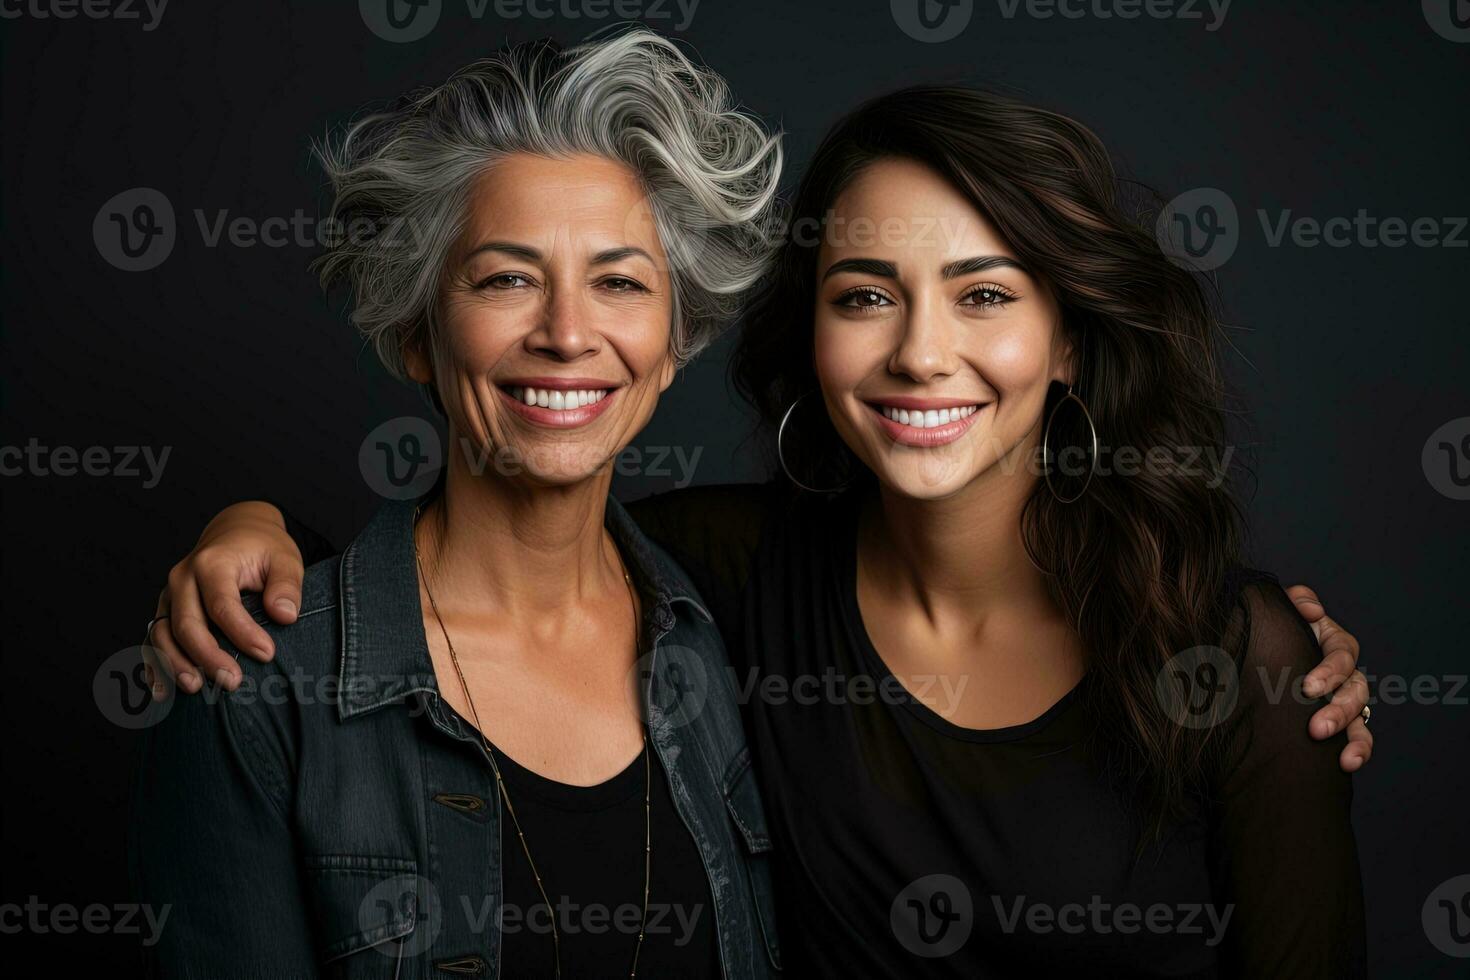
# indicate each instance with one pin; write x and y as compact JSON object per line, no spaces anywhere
{"x":940,"y":435}
{"x":550,"y":418}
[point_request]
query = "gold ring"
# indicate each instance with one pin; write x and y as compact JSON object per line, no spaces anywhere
{"x":1366,"y":713}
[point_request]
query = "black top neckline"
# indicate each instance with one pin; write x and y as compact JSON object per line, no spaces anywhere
{"x":847,"y":533}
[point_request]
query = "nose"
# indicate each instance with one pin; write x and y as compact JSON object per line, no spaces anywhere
{"x":925,"y":347}
{"x":564,"y":331}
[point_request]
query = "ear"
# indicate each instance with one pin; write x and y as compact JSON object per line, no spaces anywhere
{"x":667,"y":372}
{"x":416,"y":362}
{"x":1064,"y":357}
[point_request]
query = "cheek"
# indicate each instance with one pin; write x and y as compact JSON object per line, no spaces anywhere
{"x":1015,"y":362}
{"x":843,"y":355}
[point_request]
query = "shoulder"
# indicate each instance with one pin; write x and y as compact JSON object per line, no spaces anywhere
{"x":1267,"y":629}
{"x":306,"y":662}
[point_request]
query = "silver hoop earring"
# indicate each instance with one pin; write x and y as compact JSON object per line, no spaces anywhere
{"x":781,"y":454}
{"x":1046,"y":446}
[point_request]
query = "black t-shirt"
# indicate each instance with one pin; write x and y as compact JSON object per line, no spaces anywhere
{"x":909,"y":846}
{"x":587,"y":842}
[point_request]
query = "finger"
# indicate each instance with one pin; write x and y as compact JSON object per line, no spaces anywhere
{"x":191,"y":632}
{"x":1359,"y":748}
{"x":219,"y":591}
{"x":1346,"y":705}
{"x":283,"y":586}
{"x":1340,"y":651}
{"x":1336,"y":667}
{"x":165,"y":663}
{"x":1307,"y":604}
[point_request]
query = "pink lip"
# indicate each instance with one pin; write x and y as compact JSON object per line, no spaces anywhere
{"x":940,"y":435}
{"x":569,"y":418}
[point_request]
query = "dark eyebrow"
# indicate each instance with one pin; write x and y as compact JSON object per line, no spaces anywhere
{"x":873,"y":267}
{"x":980,"y":263}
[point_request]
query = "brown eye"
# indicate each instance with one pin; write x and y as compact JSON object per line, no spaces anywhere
{"x":506,"y":280}
{"x":863,"y":298}
{"x":987,"y":296}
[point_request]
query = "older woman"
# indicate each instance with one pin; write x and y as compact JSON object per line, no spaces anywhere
{"x":479,"y":793}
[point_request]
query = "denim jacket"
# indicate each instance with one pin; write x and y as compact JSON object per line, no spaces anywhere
{"x":328,"y":817}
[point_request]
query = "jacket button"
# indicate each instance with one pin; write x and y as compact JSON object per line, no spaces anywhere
{"x":463,"y":802}
{"x":465,"y":965}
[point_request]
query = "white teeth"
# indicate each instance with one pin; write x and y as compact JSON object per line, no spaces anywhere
{"x":931,"y":418}
{"x":557,"y":399}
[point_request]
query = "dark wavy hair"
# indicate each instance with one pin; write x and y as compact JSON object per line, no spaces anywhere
{"x":1142,"y":565}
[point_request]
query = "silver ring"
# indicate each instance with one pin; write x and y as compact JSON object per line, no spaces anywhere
{"x":148,"y":631}
{"x":1365,"y":714}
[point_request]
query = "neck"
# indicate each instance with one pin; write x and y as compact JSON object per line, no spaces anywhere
{"x":959,"y":556}
{"x":517,"y":549}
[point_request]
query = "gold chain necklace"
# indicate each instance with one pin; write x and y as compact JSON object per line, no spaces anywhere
{"x":500,"y":783}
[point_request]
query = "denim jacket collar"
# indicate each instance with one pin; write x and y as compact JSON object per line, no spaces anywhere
{"x":385,"y":655}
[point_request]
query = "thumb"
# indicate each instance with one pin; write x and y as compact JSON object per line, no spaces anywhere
{"x":283,"y":587}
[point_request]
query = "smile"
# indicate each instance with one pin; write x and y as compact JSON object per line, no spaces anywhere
{"x":557,"y":403}
{"x":915,"y":423}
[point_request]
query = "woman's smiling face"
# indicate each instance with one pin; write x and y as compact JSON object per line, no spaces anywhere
{"x":555,"y":311}
{"x":933,"y":346}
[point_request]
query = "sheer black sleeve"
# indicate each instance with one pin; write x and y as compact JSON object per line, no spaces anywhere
{"x":1286,"y":859}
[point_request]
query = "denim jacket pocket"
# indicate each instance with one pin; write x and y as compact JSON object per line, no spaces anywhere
{"x":743,"y":799}
{"x":370,"y":913}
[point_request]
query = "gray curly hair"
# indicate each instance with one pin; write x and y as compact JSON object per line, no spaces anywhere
{"x":402,"y":177}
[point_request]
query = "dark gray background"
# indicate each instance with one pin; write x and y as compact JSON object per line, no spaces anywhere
{"x":1351,"y":356}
